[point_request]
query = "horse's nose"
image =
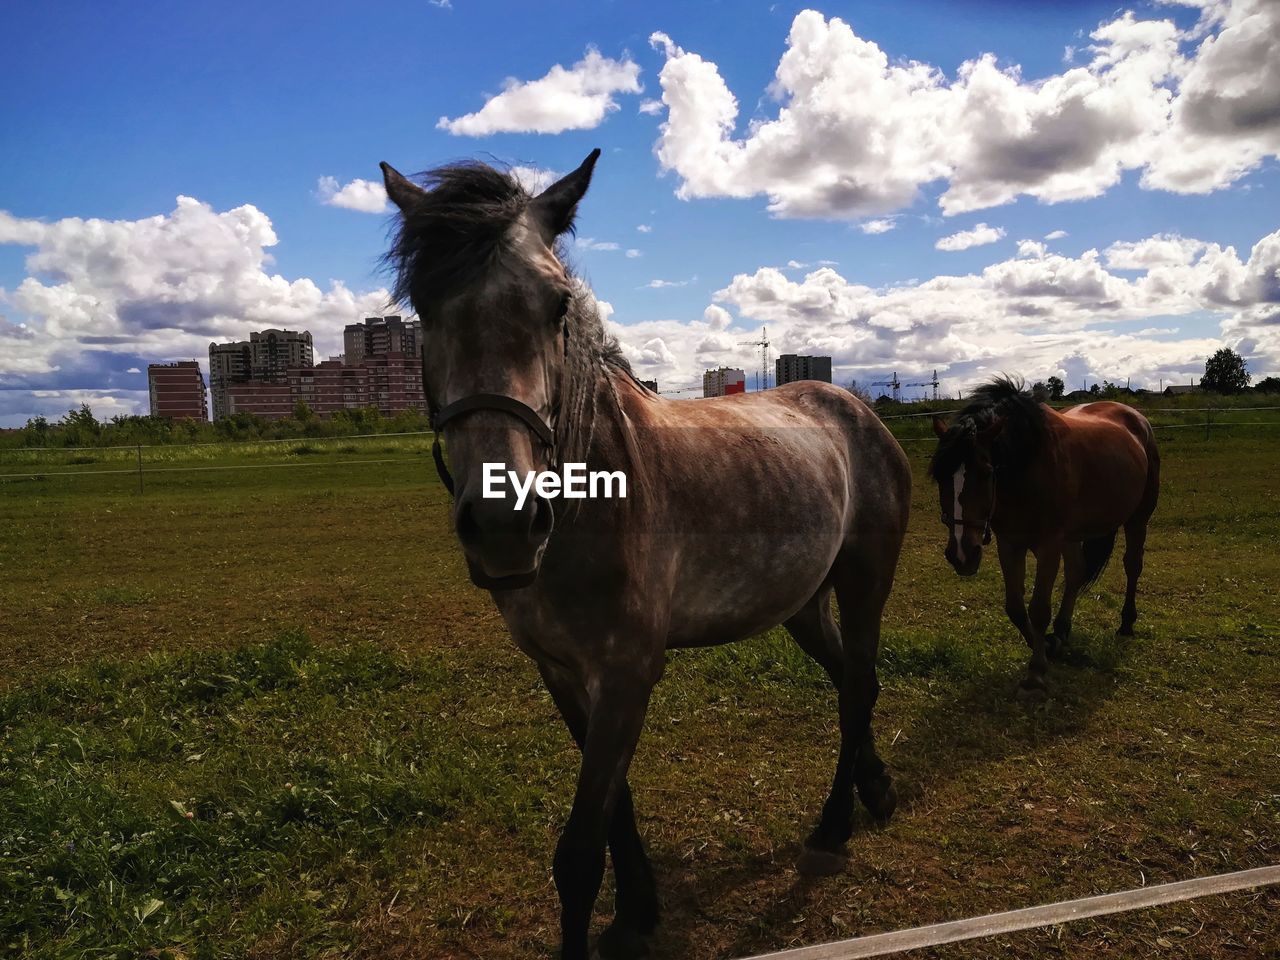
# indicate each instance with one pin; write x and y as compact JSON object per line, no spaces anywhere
{"x":504,"y":537}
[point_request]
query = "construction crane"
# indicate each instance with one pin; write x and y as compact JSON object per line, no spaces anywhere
{"x":895,"y":383}
{"x":762,"y":378}
{"x":924,"y":383}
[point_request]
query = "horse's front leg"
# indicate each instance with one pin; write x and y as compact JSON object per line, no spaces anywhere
{"x":619,"y":698}
{"x":1013,"y":564}
{"x":636,"y":895}
{"x":1048,"y":558}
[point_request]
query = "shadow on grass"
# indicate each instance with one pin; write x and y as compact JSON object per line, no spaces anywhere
{"x":970,"y":719}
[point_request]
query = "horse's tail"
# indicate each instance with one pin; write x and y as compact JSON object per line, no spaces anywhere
{"x":1097,"y":551}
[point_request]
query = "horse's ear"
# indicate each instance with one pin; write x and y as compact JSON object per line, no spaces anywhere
{"x":988,"y":434}
{"x":404,"y":193}
{"x":553,"y":209}
{"x":939,"y":427}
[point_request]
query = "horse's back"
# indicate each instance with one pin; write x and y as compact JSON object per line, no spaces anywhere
{"x":1110,"y":447}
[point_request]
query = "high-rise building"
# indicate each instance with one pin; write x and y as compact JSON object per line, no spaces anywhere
{"x":651,"y":384}
{"x":273,"y":353}
{"x":228,"y":363}
{"x":266,"y":357}
{"x":381,"y":335}
{"x":723,"y":381}
{"x":177,"y":391}
{"x":789,"y":368}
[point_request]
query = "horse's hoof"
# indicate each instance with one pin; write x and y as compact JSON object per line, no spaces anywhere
{"x":821,"y":863}
{"x":880,"y":798}
{"x":621,"y":941}
{"x":1125,"y":631}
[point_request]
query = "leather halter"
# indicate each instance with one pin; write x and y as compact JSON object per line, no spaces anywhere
{"x":479,"y":401}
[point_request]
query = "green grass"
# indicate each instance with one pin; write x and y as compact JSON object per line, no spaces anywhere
{"x":259,"y":712}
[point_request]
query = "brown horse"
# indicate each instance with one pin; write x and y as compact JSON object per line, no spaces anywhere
{"x":740,"y":513}
{"x":1057,"y":484}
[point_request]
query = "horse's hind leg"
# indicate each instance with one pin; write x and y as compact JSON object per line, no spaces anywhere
{"x":862,"y":596}
{"x":815,"y":631}
{"x":1072,"y":579}
{"x":1135,"y":540}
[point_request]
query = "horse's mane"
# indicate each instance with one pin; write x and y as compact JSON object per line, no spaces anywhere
{"x":456,"y":233}
{"x":1021,"y":439}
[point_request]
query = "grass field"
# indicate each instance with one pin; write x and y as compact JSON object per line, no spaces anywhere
{"x":258,"y":711}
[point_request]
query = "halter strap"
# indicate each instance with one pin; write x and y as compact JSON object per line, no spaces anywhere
{"x":478,"y":401}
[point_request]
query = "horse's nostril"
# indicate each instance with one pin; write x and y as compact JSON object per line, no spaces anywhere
{"x":468,"y":529}
{"x":543,"y":517}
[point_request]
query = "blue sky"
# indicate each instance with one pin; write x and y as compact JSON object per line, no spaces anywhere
{"x":111,"y":112}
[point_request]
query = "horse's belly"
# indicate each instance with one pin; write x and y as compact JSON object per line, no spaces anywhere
{"x":736,"y":587}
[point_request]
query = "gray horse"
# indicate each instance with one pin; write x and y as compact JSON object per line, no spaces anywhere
{"x":740,"y":513}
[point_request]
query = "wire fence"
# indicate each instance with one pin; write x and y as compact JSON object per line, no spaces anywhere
{"x":413,"y":447}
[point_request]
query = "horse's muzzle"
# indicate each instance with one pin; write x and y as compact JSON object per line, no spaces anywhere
{"x":971,"y":562}
{"x":503,"y":546}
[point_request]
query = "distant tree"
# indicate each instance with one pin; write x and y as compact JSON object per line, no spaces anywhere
{"x":1056,"y":388}
{"x":859,"y":391}
{"x":80,"y":428}
{"x":1265,"y":385}
{"x":1225,"y":372}
{"x":301,"y":412}
{"x":1040,"y":391}
{"x":1095,"y":390}
{"x":36,"y":432}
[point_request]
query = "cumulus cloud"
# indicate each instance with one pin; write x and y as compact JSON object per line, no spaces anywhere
{"x":858,"y":134}
{"x":881,"y":225}
{"x":367,"y":196}
{"x":534,"y":179}
{"x":632,"y":253}
{"x":1166,"y":249}
{"x":650,"y":107}
{"x":1039,"y":314}
{"x":977,"y":237}
{"x":101,"y":296}
{"x":645,"y":228}
{"x":1055,"y":235}
{"x":1031,"y":248}
{"x":664,"y":284}
{"x":577,"y":98}
{"x":591,"y":243}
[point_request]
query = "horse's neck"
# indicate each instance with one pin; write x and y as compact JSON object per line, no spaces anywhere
{"x":613,"y":443}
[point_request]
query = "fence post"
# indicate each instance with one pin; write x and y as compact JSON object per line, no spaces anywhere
{"x":139,"y":469}
{"x":1208,"y":418}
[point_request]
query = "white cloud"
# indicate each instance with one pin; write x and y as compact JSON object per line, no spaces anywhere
{"x":134,"y":370}
{"x":591,"y":243}
{"x":881,"y":225}
{"x":442,"y":4}
{"x":1055,"y":235}
{"x":858,"y":134}
{"x":101,"y":293}
{"x":1040,"y":315}
{"x":663,"y":284}
{"x":1031,"y":248}
{"x":578,"y":98}
{"x":645,"y":228}
{"x":1166,"y":249}
{"x":979,"y":236}
{"x":632,"y":253}
{"x":534,"y":179}
{"x":367,"y":196}
{"x":651,"y":107}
